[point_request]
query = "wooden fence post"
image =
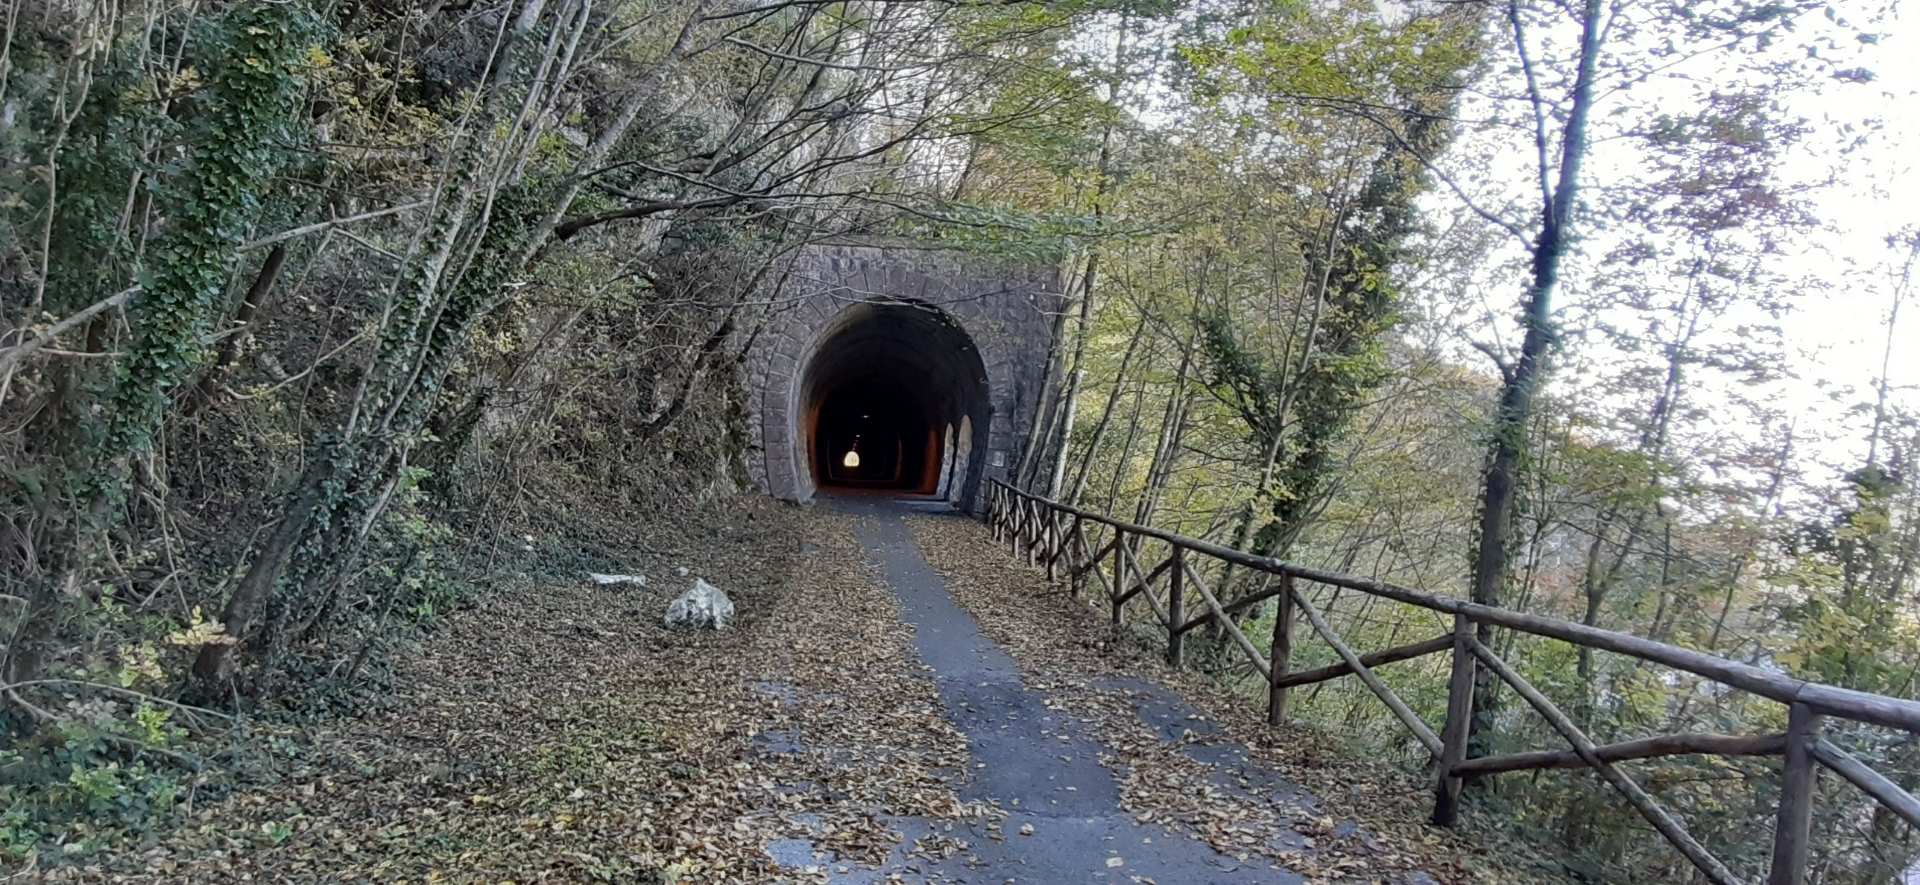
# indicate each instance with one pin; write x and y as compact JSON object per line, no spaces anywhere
{"x":1033,"y":531}
{"x":1280,"y":653}
{"x":1076,"y":567}
{"x":1041,"y":526}
{"x":1039,"y":544}
{"x":1792,"y":831}
{"x":1045,"y":546}
{"x":1056,"y":542}
{"x":1020,"y":531}
{"x":1042,"y":520}
{"x":1176,"y":607}
{"x":1015,"y":519}
{"x":1070,"y":546}
{"x":1459,"y":727}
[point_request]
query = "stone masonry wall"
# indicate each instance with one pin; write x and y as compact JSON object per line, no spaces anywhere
{"x":1007,"y":311}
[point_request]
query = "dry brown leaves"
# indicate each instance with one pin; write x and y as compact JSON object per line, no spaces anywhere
{"x":1069,"y":651}
{"x":560,"y":733}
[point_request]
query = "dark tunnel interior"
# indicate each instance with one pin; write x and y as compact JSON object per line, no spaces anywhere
{"x":895,"y":399}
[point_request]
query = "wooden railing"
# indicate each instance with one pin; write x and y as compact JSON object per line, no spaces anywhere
{"x":1081,"y":545}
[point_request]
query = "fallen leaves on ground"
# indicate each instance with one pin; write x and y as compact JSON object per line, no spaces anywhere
{"x":1070,"y":652}
{"x":559,"y":732}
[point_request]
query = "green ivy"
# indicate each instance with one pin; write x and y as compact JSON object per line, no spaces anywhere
{"x":242,"y":134}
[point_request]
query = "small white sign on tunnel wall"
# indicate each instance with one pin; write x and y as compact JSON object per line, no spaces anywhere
{"x":999,"y":458}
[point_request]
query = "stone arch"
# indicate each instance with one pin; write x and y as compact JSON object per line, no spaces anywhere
{"x":881,"y":381}
{"x":921,"y":298}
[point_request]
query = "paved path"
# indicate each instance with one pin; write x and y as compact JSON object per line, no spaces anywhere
{"x":1038,"y":764}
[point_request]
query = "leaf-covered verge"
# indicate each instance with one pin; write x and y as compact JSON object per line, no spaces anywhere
{"x":314,"y":314}
{"x":1067,"y":650}
{"x":556,"y":731}
{"x":316,"y":318}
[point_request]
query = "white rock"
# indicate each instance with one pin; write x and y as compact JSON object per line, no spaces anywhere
{"x":682,"y":571}
{"x":703,"y":606}
{"x":609,"y":580}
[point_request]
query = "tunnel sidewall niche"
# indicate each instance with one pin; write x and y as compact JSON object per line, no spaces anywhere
{"x":1005,"y":315}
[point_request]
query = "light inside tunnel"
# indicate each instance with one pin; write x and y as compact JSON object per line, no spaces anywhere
{"x":881,"y":394}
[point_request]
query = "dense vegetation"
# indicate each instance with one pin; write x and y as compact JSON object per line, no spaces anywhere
{"x":310,"y":309}
{"x":1305,"y":343}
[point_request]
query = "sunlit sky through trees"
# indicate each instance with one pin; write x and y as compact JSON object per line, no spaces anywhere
{"x":1834,"y":278}
{"x":1839,"y":337}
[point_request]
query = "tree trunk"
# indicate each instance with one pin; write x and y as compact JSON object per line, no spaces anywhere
{"x":230,"y":348}
{"x":1043,"y":409}
{"x":1509,"y":444}
{"x":417,"y":319}
{"x":1125,"y":460}
{"x":1168,"y":442}
{"x":1071,"y":394}
{"x":215,"y":664}
{"x":719,"y":336}
{"x":1106,"y":413}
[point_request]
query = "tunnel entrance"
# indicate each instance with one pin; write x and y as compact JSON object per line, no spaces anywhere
{"x":890,"y":401}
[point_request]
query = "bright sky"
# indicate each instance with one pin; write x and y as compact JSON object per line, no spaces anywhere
{"x":1836,"y":333}
{"x":1842,"y":339}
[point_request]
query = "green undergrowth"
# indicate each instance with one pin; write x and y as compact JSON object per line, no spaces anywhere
{"x":118,"y":763}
